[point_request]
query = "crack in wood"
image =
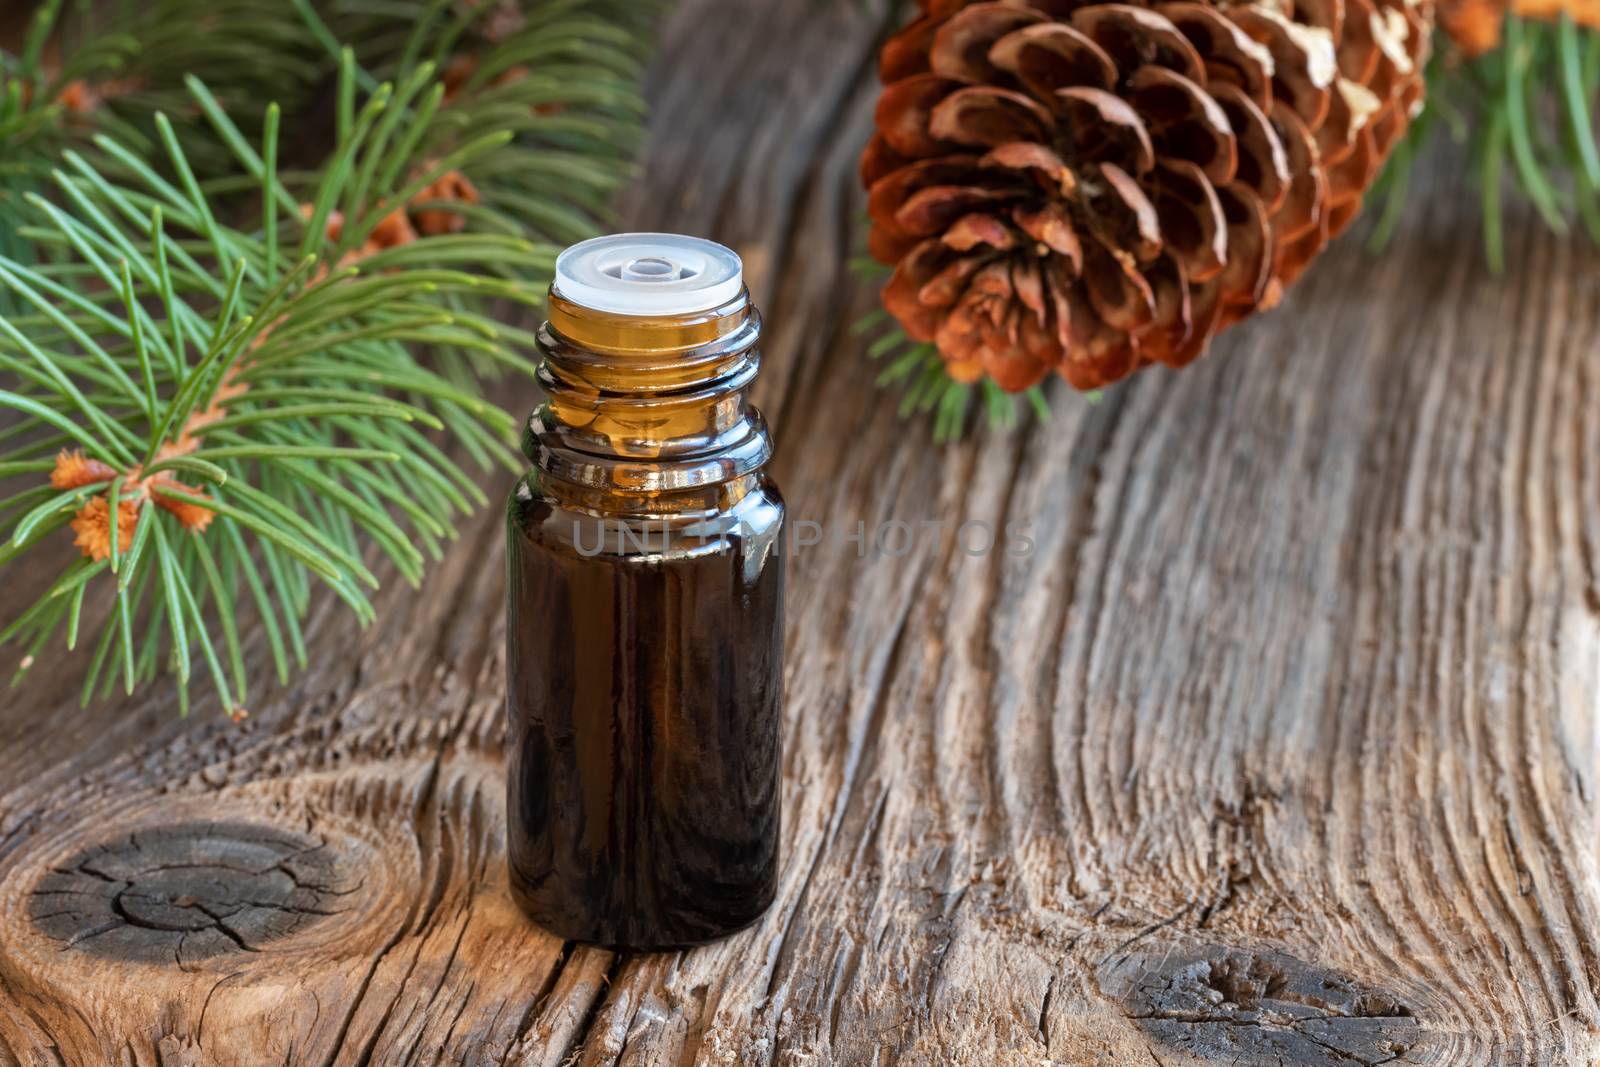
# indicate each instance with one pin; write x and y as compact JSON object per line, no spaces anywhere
{"x":422,"y":807}
{"x":1261,"y":1008}
{"x":869,"y":730}
{"x":580,"y":1035}
{"x":184,"y":891}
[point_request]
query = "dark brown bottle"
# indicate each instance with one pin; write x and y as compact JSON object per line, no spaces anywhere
{"x":645,"y":607}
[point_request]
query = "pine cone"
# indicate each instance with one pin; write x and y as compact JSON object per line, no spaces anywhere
{"x":1090,"y":188}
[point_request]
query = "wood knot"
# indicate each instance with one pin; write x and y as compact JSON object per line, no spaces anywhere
{"x":1264,"y":1008}
{"x":189,"y":891}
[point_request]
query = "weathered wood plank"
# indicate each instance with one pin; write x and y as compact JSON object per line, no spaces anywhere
{"x":1279,"y":748}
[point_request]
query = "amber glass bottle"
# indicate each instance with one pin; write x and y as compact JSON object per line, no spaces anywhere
{"x":645,"y":606}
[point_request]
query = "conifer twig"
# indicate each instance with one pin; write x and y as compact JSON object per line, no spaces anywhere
{"x":224,"y":416}
{"x":1525,"y":110}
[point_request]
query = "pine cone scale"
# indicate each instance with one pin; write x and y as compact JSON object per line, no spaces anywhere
{"x":1191,"y":220}
{"x":963,"y":47}
{"x":1262,"y":163}
{"x":1245,"y":277}
{"x":1117,"y":289}
{"x":1186,"y":123}
{"x":1134,"y":37}
{"x":1103,"y":127}
{"x":1121,"y":216}
{"x":904,"y":112}
{"x":1049,"y":56}
{"x":988,"y":117}
{"x":1050,"y":226}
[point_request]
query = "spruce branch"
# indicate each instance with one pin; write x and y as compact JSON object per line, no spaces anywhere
{"x":557,"y":80}
{"x":225,"y":416}
{"x":562,"y":76}
{"x":80,"y":73}
{"x":85,"y":70}
{"x":1524,"y":110}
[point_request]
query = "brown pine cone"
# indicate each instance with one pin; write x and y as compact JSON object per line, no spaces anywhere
{"x":1089,"y":188}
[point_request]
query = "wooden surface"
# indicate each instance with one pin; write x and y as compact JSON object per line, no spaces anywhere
{"x":1279,"y":749}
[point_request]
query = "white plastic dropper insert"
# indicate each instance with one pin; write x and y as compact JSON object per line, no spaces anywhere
{"x":649,"y":274}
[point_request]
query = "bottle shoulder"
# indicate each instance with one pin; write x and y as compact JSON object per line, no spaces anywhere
{"x":536,"y":517}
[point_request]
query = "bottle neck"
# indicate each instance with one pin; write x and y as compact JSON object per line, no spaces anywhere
{"x":648,"y":414}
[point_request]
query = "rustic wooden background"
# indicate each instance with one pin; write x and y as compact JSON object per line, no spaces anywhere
{"x":1280,"y":748}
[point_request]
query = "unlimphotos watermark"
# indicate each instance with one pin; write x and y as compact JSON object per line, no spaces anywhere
{"x":889,"y":538}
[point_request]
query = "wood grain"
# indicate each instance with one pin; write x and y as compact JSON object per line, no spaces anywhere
{"x":1279,"y":748}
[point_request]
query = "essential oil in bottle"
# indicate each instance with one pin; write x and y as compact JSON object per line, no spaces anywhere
{"x":645,"y":606}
